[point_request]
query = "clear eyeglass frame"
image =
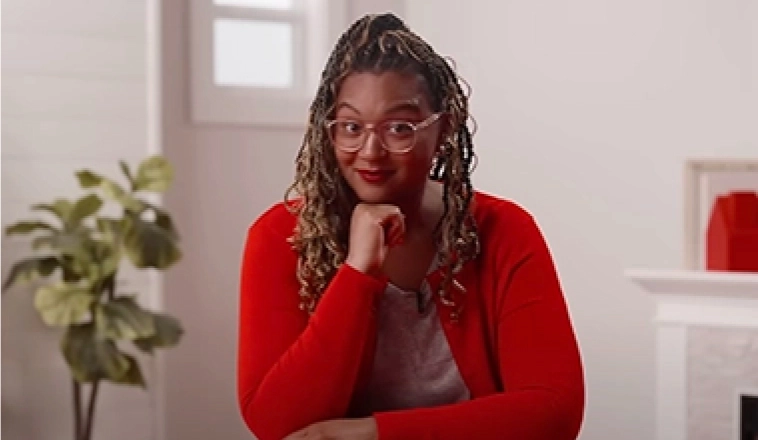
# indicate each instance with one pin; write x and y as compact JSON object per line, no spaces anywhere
{"x":360,"y":138}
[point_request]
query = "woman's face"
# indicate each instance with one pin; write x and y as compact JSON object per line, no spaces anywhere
{"x":375,"y":174}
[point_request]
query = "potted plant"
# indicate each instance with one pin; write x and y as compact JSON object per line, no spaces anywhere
{"x":78,"y":257}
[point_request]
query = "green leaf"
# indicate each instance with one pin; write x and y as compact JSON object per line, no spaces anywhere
{"x":63,"y":304}
{"x":127,"y":172}
{"x":69,"y":243}
{"x":163,"y":219}
{"x":149,"y":245}
{"x":111,"y":248}
{"x":100,"y":259}
{"x":71,"y":274}
{"x":114,"y":192}
{"x":88,"y":179}
{"x":123,"y":318}
{"x":43,"y":241}
{"x":61,"y":208}
{"x":91,"y":357}
{"x":29,"y":268}
{"x":154,"y":174}
{"x":168,"y":332}
{"x":111,"y":189}
{"x":110,"y":228}
{"x":83,"y":208}
{"x":78,"y":251}
{"x":27,"y":227}
{"x":73,"y":254}
{"x":133,"y":375}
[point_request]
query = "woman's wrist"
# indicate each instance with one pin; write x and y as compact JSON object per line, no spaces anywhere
{"x":363,"y":267}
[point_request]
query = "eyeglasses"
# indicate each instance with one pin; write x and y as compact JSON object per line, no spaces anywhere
{"x":396,"y":136}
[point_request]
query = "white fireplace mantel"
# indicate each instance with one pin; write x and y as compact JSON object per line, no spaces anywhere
{"x":697,"y":282}
{"x":701,"y":297}
{"x":684,"y":299}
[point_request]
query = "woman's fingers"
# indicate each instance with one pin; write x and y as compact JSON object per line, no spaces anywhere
{"x":393,"y":222}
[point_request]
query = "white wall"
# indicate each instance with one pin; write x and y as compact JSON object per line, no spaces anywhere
{"x":587,"y":111}
{"x":75,"y":95}
{"x":225,"y":177}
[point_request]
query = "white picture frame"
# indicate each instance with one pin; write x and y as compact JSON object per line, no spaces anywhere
{"x":695,"y":210}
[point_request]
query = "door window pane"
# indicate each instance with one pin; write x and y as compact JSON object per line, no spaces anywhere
{"x":252,"y":53}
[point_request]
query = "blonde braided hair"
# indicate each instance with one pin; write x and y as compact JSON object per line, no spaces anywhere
{"x":379,"y":43}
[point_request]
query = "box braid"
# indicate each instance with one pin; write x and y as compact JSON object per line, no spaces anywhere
{"x":380,"y":43}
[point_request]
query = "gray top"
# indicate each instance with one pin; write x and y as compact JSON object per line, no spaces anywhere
{"x":413,"y":365}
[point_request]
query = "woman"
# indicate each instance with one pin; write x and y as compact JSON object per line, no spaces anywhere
{"x":390,"y":299}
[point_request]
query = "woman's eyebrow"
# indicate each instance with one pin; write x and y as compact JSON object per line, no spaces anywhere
{"x":345,"y":104}
{"x":412,"y":106}
{"x":409,"y":106}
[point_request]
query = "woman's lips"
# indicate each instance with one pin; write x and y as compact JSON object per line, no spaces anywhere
{"x":375,"y":176}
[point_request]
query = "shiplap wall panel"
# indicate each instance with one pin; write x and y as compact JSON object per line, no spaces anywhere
{"x":35,"y":96}
{"x":106,"y":19}
{"x":71,"y":55}
{"x":74,"y":96}
{"x":34,"y":139}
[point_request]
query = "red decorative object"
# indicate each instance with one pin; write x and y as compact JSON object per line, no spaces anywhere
{"x":732,"y":237}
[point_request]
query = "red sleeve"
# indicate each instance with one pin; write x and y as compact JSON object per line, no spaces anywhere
{"x":294,"y":371}
{"x":538,"y":356}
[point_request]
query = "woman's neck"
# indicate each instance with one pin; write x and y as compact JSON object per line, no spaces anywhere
{"x":423,"y":212}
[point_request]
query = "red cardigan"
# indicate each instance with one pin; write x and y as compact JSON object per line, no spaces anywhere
{"x":514,"y":343}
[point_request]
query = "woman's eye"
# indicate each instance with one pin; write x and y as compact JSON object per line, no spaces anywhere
{"x":399,"y":128}
{"x":351,"y":127}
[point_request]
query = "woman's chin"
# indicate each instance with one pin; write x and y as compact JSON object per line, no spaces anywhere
{"x":375,"y":199}
{"x":374,"y":195}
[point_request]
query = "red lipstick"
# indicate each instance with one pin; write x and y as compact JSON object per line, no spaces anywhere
{"x":374,"y":176}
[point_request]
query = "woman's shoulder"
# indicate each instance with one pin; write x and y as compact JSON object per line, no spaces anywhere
{"x":505,"y":224}
{"x":279,"y":219}
{"x":493,"y":211}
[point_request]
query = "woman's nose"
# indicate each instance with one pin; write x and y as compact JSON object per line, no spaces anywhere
{"x":372,"y":146}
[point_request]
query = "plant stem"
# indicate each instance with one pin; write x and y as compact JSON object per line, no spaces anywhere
{"x":77,"y":409}
{"x":91,"y":410}
{"x":111,"y":286}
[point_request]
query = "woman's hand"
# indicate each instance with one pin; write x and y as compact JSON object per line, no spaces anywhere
{"x":340,"y":429}
{"x":373,"y":229}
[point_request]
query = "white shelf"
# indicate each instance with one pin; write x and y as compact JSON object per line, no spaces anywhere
{"x":696,"y":283}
